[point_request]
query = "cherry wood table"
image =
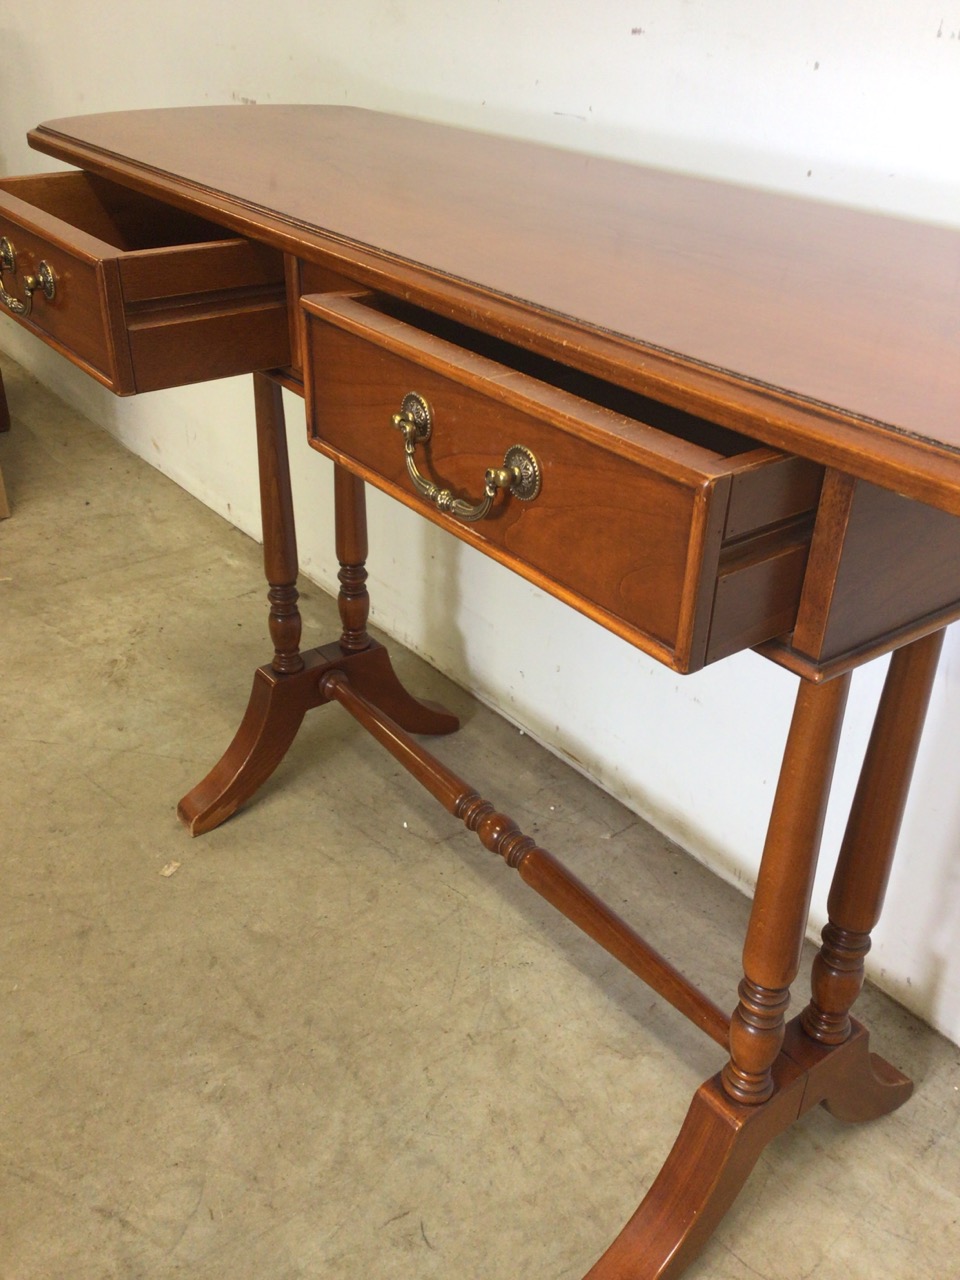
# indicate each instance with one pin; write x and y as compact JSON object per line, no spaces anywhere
{"x":707,"y":417}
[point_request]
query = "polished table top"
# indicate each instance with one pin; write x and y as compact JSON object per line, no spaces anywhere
{"x":829,"y":332}
{"x":824,"y":330}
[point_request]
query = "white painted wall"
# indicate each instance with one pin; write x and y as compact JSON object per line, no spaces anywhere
{"x":850,"y":100}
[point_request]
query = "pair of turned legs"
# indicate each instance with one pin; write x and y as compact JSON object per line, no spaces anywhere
{"x":781,"y":904}
{"x":775,"y":1071}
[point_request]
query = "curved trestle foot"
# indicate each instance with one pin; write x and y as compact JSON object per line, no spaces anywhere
{"x":372,"y":674}
{"x":721,"y":1141}
{"x":275,"y":711}
{"x":849,"y":1081}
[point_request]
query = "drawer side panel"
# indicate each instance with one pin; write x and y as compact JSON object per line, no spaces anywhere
{"x":879,"y":562}
{"x":171,"y":349}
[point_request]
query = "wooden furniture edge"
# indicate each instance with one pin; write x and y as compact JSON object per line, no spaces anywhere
{"x":914,"y":467}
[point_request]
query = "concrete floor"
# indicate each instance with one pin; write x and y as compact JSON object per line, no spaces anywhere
{"x":342,"y":1040}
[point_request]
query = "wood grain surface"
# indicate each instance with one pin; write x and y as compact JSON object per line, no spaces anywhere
{"x":854,"y":316}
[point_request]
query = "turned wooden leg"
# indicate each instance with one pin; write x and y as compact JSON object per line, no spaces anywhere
{"x":351,"y":522}
{"x":376,"y":678}
{"x":866,"y":855}
{"x":280,"y":560}
{"x":275,"y":710}
{"x":777,"y":1072}
{"x":284,"y":691}
{"x":781,"y":903}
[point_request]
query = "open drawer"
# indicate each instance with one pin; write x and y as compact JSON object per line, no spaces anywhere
{"x":135,"y":292}
{"x":685,"y":538}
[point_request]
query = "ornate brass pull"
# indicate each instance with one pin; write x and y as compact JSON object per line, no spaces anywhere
{"x":519,"y":475}
{"x":44,"y":281}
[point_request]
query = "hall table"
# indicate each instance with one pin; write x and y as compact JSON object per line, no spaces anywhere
{"x":707,"y":417}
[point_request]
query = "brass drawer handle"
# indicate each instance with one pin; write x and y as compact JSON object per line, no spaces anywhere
{"x":44,"y":281}
{"x":520,"y":473}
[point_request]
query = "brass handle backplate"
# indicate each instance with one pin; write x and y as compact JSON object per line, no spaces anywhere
{"x":44,"y":281}
{"x":519,"y":474}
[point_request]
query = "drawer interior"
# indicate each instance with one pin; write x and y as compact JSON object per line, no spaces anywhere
{"x":714,"y":439}
{"x":115,"y":215}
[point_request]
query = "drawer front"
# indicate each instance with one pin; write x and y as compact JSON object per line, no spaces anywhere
{"x":629,"y":523}
{"x":139,"y":295}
